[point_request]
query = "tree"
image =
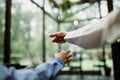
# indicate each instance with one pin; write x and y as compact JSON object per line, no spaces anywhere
{"x":7,"y":48}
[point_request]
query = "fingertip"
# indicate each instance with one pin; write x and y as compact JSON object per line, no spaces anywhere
{"x":68,"y":51}
{"x":53,"y":41}
{"x":52,"y":35}
{"x":70,"y":58}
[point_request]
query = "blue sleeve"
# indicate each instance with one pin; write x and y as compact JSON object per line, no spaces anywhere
{"x":49,"y":70}
{"x":45,"y":71}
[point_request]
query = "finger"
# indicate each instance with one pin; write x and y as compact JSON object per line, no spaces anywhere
{"x":58,"y":40}
{"x":55,"y":40}
{"x":70,"y":59}
{"x":69,"y":55}
{"x":55,"y":34}
{"x":52,"y":35}
{"x":67,"y":52}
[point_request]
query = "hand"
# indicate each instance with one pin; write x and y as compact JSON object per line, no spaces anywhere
{"x":65,"y":56}
{"x":58,"y":37}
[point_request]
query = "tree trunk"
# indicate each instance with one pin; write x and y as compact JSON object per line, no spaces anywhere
{"x":7,"y":50}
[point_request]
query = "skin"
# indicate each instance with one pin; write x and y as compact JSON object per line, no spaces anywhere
{"x":58,"y":37}
{"x":66,"y":56}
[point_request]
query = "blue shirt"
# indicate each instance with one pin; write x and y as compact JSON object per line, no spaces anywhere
{"x":45,"y":71}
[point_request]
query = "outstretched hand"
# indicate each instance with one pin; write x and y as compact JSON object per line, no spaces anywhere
{"x":58,"y":37}
{"x":65,"y":56}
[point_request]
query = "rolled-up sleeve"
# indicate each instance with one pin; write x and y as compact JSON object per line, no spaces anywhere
{"x":45,"y":71}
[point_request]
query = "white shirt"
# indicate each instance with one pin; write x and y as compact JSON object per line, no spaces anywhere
{"x":104,"y":31}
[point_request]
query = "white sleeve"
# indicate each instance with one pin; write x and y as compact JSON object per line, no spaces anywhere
{"x":104,"y":31}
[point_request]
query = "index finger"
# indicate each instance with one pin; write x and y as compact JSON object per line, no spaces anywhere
{"x":52,"y":35}
{"x":68,"y":51}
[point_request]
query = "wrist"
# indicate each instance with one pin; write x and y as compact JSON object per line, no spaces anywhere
{"x":65,"y":33}
{"x":60,"y":61}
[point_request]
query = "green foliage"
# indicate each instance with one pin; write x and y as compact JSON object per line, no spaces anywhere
{"x":26,"y":34}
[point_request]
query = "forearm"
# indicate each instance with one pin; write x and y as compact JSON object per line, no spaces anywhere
{"x":50,"y":69}
{"x":44,"y":71}
{"x":106,"y":30}
{"x":112,"y":31}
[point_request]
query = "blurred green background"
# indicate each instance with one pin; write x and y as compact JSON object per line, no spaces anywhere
{"x":26,"y":31}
